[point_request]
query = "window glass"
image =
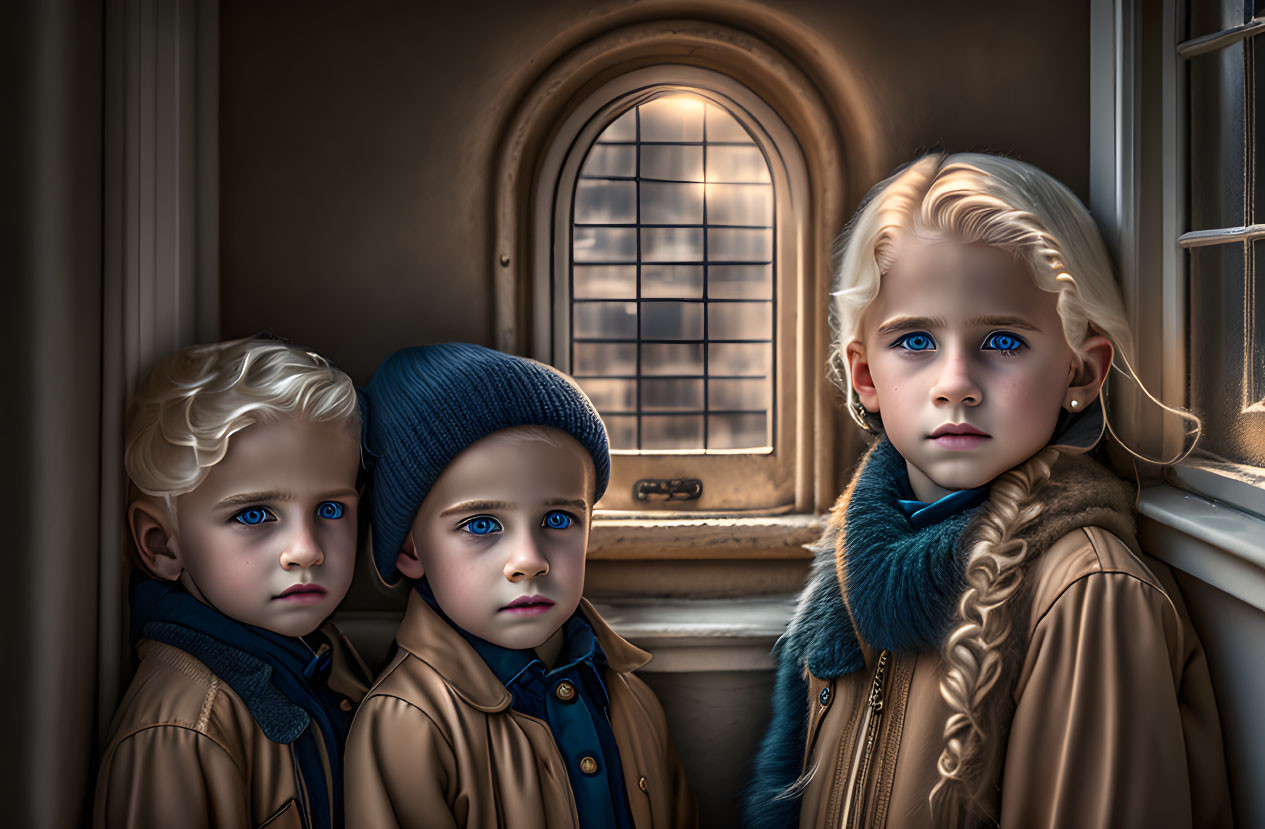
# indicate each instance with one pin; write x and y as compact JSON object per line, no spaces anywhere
{"x":673,"y":256}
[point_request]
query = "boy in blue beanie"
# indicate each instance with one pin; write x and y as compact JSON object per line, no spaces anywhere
{"x":510,"y":700}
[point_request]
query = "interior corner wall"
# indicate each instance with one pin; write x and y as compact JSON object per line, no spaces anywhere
{"x":50,"y":316}
{"x":358,"y":141}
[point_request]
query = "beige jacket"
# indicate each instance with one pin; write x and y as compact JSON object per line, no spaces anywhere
{"x":185,"y":751}
{"x":436,"y":744}
{"x":1114,"y":720}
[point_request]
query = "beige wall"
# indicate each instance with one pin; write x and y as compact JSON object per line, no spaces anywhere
{"x":358,"y":140}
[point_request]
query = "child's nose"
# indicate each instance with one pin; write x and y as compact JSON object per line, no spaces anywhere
{"x":956,"y":382}
{"x":526,"y":561}
{"x":302,"y":549}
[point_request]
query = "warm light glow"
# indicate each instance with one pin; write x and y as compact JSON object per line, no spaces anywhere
{"x":688,"y":103}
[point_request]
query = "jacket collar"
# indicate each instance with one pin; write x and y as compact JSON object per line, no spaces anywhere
{"x":429,"y":638}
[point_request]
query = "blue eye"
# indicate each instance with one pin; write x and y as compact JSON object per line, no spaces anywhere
{"x":557,"y":520}
{"x":251,"y":516}
{"x":1004,"y":341}
{"x":482,"y":525}
{"x":918,"y":341}
{"x":330,"y":510}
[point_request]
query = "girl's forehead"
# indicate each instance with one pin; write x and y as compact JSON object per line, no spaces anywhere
{"x":949,"y":277}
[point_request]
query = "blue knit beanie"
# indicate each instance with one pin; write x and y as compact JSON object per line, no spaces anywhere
{"x":428,"y":403}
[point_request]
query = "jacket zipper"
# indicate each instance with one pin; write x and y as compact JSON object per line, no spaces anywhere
{"x":871,"y":720}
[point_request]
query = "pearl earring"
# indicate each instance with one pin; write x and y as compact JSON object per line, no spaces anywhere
{"x":1075,"y":403}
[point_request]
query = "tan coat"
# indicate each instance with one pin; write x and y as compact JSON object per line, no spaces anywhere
{"x":1114,"y":721}
{"x":436,"y":744}
{"x":186,"y":752}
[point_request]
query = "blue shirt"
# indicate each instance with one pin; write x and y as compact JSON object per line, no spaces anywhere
{"x":922,"y":514}
{"x":571,"y":699}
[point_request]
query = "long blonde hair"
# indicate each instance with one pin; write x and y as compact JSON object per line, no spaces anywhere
{"x":1008,"y":204}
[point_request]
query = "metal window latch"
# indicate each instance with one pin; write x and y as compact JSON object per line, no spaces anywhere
{"x":668,"y":489}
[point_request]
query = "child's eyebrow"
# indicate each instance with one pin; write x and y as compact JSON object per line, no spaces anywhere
{"x":907,"y":323}
{"x":1005,"y":321}
{"x":253,"y":497}
{"x":577,"y":503}
{"x":475,"y":506}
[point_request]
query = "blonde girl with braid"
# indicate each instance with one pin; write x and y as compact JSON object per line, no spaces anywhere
{"x":981,"y":641}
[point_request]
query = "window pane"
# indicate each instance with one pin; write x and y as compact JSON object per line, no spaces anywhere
{"x":672,"y":432}
{"x":721,"y":126}
{"x":738,"y":394}
{"x":672,"y":358}
{"x":672,"y":244}
{"x":672,"y":281}
{"x":671,"y":204}
{"x":621,"y":430}
{"x":739,"y":320}
{"x":668,"y":395}
{"x":740,"y":281}
{"x":672,"y":162}
{"x":611,"y":160}
{"x":658,"y":394}
{"x":745,"y":431}
{"x":739,"y":204}
{"x":672,"y":321}
{"x":611,"y":395}
{"x":604,"y":358}
{"x":605,"y":320}
{"x":604,"y":244}
{"x":623,"y":128}
{"x":736,"y":164}
{"x":603,"y":281}
{"x":725,"y":244}
{"x":672,"y":118}
{"x":1207,"y":16}
{"x":605,"y":202}
{"x":1217,"y":137}
{"x":1224,"y":365}
{"x":742,"y":359}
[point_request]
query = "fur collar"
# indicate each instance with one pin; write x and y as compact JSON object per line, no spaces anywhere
{"x":829,"y":635}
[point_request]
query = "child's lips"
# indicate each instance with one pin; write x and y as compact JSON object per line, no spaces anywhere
{"x":528,"y":606}
{"x":958,"y":436}
{"x":302,"y":594}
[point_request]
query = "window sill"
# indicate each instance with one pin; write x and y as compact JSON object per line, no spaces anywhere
{"x":1216,"y":544}
{"x":656,"y":538}
{"x":701,"y":635}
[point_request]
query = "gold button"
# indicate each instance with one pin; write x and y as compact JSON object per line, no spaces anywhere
{"x":588,"y":765}
{"x":345,"y":705}
{"x":641,"y":784}
{"x":565,"y":691}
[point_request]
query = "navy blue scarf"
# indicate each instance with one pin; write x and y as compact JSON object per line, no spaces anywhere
{"x":277,"y":677}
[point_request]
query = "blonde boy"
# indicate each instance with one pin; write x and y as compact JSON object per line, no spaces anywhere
{"x":246,"y":456}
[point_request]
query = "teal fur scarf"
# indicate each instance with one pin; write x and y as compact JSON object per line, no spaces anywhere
{"x":903,"y":582}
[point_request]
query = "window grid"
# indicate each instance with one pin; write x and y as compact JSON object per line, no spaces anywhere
{"x":641,"y":412}
{"x":1221,"y":256}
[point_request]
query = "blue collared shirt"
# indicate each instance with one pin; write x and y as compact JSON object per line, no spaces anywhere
{"x":922,"y":514}
{"x":571,"y":699}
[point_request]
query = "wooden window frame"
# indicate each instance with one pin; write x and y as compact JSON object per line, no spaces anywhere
{"x":548,"y":120}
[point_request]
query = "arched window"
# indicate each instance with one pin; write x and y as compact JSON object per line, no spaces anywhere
{"x":661,"y":240}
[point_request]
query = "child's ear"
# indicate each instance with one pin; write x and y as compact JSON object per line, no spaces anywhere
{"x":155,"y":539}
{"x":407,"y":561}
{"x":862,"y":381}
{"x":1084,"y":383}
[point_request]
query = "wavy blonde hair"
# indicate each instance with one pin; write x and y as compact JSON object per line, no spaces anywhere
{"x":1008,"y":204}
{"x":189,"y":406}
